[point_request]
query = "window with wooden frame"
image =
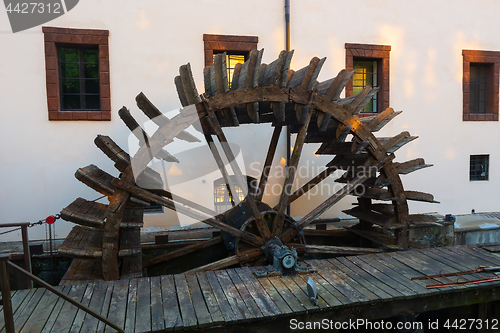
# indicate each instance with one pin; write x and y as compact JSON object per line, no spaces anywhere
{"x":481,"y":71}
{"x":77,"y":74}
{"x":371,"y":66}
{"x":237,"y":49}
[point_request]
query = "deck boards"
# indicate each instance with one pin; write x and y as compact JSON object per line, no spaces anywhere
{"x":224,"y":297}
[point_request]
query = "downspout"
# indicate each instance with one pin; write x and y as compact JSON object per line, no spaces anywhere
{"x":287,"y":48}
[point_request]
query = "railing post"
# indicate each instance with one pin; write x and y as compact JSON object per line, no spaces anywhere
{"x":6,"y":301}
{"x":27,"y":254}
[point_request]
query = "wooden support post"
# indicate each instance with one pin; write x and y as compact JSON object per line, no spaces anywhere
{"x":6,"y":301}
{"x":27,"y":254}
{"x":267,"y":164}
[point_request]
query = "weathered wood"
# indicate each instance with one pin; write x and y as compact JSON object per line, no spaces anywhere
{"x":268,"y":162}
{"x":297,"y":292}
{"x":229,"y":261}
{"x":276,"y":298}
{"x":171,"y":312}
{"x":90,"y":323}
{"x":330,"y":249}
{"x":225,"y":307}
{"x":131,"y":306}
{"x":244,"y":293}
{"x":326,"y":296}
{"x":143,"y":311}
{"x":382,"y":119}
{"x":389,"y":222}
{"x":361,"y":99}
{"x":54,"y":311}
{"x":335,"y":148}
{"x":420,"y":196}
{"x":342,"y":132}
{"x":239,"y":307}
{"x":410,"y":166}
{"x":257,"y":292}
{"x":210,"y":299}
{"x":398,"y":141}
{"x":310,"y":184}
{"x":80,"y":314}
{"x":68,"y":310}
{"x":182,"y":251}
{"x":202,"y":314}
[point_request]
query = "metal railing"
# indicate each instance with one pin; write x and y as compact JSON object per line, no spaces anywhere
{"x":5,"y":263}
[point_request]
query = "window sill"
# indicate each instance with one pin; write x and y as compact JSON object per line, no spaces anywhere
{"x":480,"y":117}
{"x":80,"y":115}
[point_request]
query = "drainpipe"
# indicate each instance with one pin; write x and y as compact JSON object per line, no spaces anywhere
{"x":287,"y":48}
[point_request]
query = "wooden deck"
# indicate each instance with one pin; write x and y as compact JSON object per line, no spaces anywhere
{"x":235,"y":296}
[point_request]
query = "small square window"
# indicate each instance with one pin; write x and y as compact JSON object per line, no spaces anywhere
{"x":479,"y":167}
{"x":231,"y":61}
{"x":365,"y":74}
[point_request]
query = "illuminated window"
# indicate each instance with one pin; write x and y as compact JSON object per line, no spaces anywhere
{"x":365,"y":75}
{"x":222,"y":200}
{"x":371,"y":66}
{"x":231,"y":61}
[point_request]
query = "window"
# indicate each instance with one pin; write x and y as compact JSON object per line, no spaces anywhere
{"x":480,"y":85}
{"x":77,"y":74}
{"x":79,"y":78}
{"x":479,"y":167}
{"x":237,"y":49}
{"x":222,"y":200}
{"x":365,"y":75}
{"x":371,"y":66}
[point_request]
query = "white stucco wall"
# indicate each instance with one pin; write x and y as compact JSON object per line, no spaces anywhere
{"x":148,"y":42}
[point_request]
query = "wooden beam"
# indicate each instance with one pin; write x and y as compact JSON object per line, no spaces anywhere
{"x":328,"y":249}
{"x":229,"y":261}
{"x":311,"y":184}
{"x":182,"y":251}
{"x":268,"y":162}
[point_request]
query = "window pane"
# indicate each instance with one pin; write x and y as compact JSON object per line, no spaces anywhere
{"x":91,"y":55}
{"x":70,"y":71}
{"x":91,"y":71}
{"x":478,"y":88}
{"x":71,"y":102}
{"x":92,"y":102}
{"x":67,"y":54}
{"x":365,"y":75}
{"x":91,"y":86}
{"x":479,"y":167}
{"x":70,"y":86}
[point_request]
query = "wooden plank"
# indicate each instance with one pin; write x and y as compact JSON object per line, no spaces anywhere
{"x":20,"y":307}
{"x":131,"y":306}
{"x":90,"y":323}
{"x":301,"y":282}
{"x":287,"y":295}
{"x":224,"y":305}
{"x":41,"y":313}
{"x":328,"y":273}
{"x":262,"y":299}
{"x":394,"y":294}
{"x":80,"y":314}
{"x":17,"y":298}
{"x":49,"y":323}
{"x":245,"y":295}
{"x":420,"y":196}
{"x":200,"y":308}
{"x":389,"y":222}
{"x":381,"y":119}
{"x":395,"y":274}
{"x":210,"y":300}
{"x":380,"y":274}
{"x":482,"y":254}
{"x":105,"y":306}
{"x":157,"y":321}
{"x":298,"y":292}
{"x":185,"y":304}
{"x":380,"y":293}
{"x":237,"y":304}
{"x":423,"y":267}
{"x":273,"y":294}
{"x":68,"y":311}
{"x":143,"y":310}
{"x":21,"y":317}
{"x":339,"y":270}
{"x":171,"y":313}
{"x":325,"y":297}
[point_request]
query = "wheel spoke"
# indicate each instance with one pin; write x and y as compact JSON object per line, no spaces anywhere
{"x":229,"y":261}
{"x":181,"y":252}
{"x":311,"y":184}
{"x":259,"y":221}
{"x":269,"y":160}
{"x":290,"y":175}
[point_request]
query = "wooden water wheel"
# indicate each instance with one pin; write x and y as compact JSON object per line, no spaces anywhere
{"x":259,"y":93}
